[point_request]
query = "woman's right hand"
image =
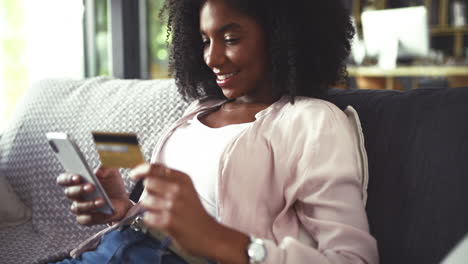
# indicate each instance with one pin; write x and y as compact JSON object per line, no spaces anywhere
{"x":86,"y":211}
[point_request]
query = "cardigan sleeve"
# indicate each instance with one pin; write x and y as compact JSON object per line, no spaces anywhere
{"x":327,"y":193}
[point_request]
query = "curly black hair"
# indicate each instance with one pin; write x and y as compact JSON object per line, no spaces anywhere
{"x":309,"y":42}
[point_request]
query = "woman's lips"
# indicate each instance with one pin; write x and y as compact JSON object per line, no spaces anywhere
{"x":226,"y":81}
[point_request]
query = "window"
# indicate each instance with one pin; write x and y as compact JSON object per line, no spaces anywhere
{"x":56,"y":38}
{"x":158,"y":53}
{"x":134,"y":35}
{"x":38,"y":39}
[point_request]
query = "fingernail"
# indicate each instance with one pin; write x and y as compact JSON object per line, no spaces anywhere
{"x":131,"y":174}
{"x":75,"y":178}
{"x":87,"y":188}
{"x":98,"y":203}
{"x":174,"y":189}
{"x":140,"y":169}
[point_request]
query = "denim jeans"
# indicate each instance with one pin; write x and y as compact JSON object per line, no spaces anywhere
{"x":128,"y":246}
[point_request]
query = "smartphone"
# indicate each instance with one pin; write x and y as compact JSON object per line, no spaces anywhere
{"x":74,"y":162}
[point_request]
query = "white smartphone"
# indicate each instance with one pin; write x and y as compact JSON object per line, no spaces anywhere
{"x":74,"y":162}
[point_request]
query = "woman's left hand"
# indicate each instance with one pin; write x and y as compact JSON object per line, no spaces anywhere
{"x":173,"y":206}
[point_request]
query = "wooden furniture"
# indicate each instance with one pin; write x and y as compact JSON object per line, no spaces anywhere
{"x":383,"y":78}
{"x":442,"y":31}
{"x":439,"y":17}
{"x":373,"y":77}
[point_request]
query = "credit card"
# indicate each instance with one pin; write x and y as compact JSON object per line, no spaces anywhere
{"x":118,"y":150}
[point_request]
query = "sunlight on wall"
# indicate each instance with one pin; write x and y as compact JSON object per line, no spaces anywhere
{"x":38,"y":40}
{"x":2,"y":104}
{"x":57,"y":49}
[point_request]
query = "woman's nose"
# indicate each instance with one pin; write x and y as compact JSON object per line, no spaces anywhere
{"x":215,"y":55}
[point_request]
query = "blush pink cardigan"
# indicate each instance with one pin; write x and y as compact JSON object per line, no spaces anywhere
{"x":295,"y":179}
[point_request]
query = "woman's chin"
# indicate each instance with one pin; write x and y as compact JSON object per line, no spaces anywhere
{"x":230,"y":94}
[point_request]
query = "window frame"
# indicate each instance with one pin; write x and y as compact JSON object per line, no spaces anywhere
{"x":128,"y":31}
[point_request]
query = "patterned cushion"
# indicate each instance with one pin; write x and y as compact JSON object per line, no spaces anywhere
{"x":75,"y":107}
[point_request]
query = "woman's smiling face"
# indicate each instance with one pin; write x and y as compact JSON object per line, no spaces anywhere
{"x":235,"y":49}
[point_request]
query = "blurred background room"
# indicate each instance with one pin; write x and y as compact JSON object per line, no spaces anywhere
{"x":77,"y":39}
{"x":400,"y":44}
{"x":407,"y":44}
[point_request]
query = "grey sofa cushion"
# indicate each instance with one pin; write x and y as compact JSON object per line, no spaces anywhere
{"x":75,"y":107}
{"x":417,"y":147}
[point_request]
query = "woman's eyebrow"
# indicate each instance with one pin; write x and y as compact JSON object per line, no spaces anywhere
{"x":227,"y":27}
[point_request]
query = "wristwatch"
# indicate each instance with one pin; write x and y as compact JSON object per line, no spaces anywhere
{"x":256,"y":250}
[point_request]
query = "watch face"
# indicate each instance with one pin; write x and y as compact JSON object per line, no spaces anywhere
{"x":256,"y":252}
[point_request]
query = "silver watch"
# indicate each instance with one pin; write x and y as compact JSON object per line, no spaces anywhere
{"x":256,"y":250}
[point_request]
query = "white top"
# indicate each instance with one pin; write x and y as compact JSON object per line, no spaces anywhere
{"x":196,"y":149}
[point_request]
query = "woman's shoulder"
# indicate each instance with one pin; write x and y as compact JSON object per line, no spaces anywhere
{"x":313,"y":103}
{"x":308,"y":109}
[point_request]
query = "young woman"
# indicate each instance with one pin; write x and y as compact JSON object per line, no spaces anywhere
{"x":258,"y":170}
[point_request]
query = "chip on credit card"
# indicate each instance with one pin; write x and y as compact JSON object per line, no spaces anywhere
{"x":118,"y":150}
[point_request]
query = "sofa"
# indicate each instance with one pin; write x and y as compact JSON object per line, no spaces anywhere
{"x":416,"y":144}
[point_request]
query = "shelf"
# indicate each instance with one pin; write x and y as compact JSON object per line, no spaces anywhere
{"x":408,"y":71}
{"x":373,"y":77}
{"x":456,"y":46}
{"x":449,"y":30}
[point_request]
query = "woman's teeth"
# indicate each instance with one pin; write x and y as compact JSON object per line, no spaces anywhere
{"x":226,"y":76}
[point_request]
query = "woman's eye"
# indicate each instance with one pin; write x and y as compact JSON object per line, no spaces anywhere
{"x":231,"y":40}
{"x":206,"y":43}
